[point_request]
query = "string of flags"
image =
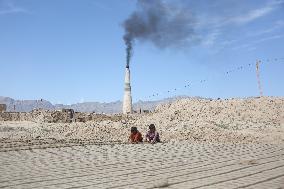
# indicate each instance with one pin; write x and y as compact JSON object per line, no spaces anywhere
{"x":190,"y":84}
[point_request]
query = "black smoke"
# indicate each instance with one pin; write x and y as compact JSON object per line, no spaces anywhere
{"x":163,"y":24}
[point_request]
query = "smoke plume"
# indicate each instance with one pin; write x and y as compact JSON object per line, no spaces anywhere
{"x":163,"y":24}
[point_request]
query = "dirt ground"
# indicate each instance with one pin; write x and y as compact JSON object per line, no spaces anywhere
{"x":234,"y":143}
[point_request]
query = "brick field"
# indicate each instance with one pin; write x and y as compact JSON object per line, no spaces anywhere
{"x":164,"y":165}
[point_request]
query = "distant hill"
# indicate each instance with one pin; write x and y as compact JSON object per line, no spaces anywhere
{"x":110,"y":108}
{"x":25,"y":105}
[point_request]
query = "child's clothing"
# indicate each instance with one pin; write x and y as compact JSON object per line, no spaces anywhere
{"x":137,"y":137}
{"x":153,"y":136}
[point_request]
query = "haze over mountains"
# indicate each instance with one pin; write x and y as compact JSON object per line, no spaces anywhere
{"x":111,"y":107}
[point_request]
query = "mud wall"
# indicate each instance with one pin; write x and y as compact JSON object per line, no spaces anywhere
{"x":51,"y":116}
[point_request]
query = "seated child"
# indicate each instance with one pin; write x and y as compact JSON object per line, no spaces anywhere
{"x":152,"y":135}
{"x":135,"y":136}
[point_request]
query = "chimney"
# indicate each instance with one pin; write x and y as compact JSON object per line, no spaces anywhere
{"x":127,"y":99}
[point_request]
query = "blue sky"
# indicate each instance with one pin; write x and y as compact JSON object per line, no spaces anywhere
{"x":69,"y":51}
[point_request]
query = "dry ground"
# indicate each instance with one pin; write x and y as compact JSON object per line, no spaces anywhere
{"x":170,"y":165}
{"x":236,"y":143}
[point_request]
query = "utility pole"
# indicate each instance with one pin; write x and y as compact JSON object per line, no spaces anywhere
{"x":258,"y":77}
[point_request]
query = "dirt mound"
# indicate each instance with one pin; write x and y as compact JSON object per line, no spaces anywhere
{"x":233,"y":120}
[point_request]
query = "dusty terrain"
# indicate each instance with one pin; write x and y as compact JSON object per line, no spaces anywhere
{"x":206,"y":144}
{"x":171,"y":165}
{"x":234,"y":120}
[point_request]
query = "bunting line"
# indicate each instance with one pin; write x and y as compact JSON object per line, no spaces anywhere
{"x":189,"y":84}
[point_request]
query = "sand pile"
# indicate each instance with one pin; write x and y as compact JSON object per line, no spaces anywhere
{"x":234,"y":120}
{"x":221,"y":120}
{"x":233,"y":114}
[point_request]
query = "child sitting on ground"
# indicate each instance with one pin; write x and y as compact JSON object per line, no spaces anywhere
{"x":152,"y":135}
{"x":135,"y":136}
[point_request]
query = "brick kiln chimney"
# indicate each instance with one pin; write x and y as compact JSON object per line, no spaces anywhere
{"x":127,"y":99}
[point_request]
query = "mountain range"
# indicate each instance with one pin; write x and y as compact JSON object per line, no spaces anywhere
{"x":98,"y":107}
